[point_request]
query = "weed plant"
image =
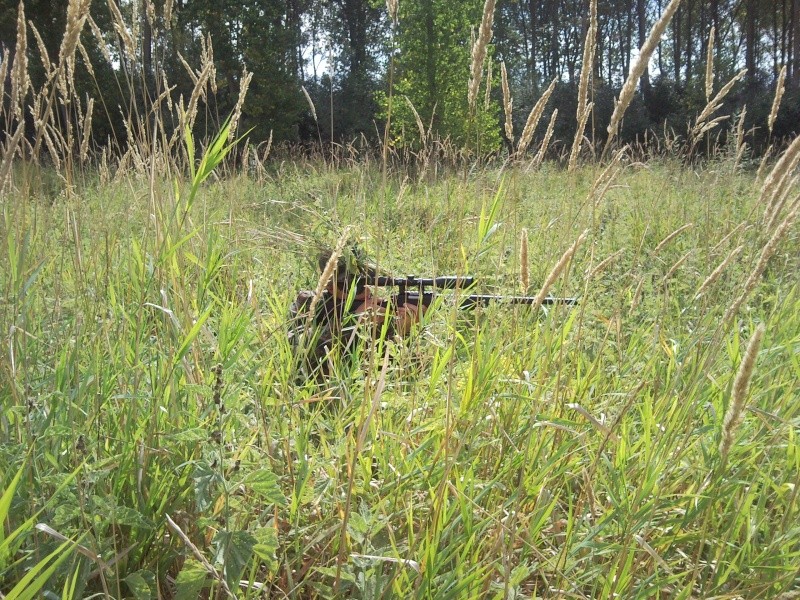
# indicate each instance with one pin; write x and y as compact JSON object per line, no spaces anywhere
{"x":569,"y":452}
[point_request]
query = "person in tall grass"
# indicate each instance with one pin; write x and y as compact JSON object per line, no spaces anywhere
{"x":328,"y":322}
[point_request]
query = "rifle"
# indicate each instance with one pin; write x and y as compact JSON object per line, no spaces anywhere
{"x":335,"y":319}
{"x":415,"y":289}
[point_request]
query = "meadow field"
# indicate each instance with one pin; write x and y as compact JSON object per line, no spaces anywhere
{"x":158,"y":442}
{"x":158,"y":439}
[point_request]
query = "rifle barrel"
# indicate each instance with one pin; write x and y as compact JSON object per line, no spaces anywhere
{"x":485,"y":299}
{"x":445,"y":282}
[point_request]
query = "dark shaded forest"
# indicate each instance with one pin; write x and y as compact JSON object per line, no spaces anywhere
{"x":348,"y":54}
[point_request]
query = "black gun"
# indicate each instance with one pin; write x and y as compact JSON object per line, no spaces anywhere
{"x":415,"y":289}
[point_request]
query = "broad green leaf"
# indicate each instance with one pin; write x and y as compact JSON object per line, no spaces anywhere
{"x":266,"y":544}
{"x":265,"y":483}
{"x":191,"y":580}
{"x":138,"y":585}
{"x":234,"y":549}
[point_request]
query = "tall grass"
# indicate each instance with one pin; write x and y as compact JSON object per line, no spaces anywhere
{"x":157,"y":427}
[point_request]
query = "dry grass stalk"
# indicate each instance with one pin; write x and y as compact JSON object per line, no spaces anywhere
{"x":741,"y":387}
{"x":762,"y":166}
{"x":729,"y":235}
{"x":201,"y":558}
{"x":557,"y":270}
{"x":43,"y":54}
{"x":188,"y":117}
{"x":86,"y":134}
{"x":772,"y":216}
{"x":168,"y":4}
{"x":779,"y":172}
{"x":628,"y":89}
{"x":600,"y":267}
{"x":533,"y":119}
{"x":766,"y":253}
{"x":77,"y":12}
{"x":207,"y":58}
{"x":508,"y":102}
{"x":418,"y":119}
{"x":637,"y":294}
{"x":327,"y":272}
{"x":780,"y":88}
{"x":537,"y":160}
{"x":479,"y":52}
{"x":524,"y":272}
{"x":716,"y":273}
{"x":19,"y":72}
{"x":710,"y":64}
{"x":310,"y":103}
{"x":676,"y":266}
{"x":8,"y":155}
{"x":121,"y":28}
{"x":672,"y":236}
{"x":587,"y":68}
{"x":244,"y":84}
{"x":87,"y":62}
{"x":701,"y":125}
{"x":740,"y":145}
{"x":578,"y":140}
{"x":98,"y":37}
{"x":391,"y":8}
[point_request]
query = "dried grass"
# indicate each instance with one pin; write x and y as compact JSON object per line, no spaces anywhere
{"x":716,"y":273}
{"x":557,"y":270}
{"x":780,"y":88}
{"x":508,"y":103}
{"x":587,"y":68}
{"x":710,"y":64}
{"x":533,"y":119}
{"x":537,"y":160}
{"x":19,"y":72}
{"x":629,"y":87}
{"x":244,"y":84}
{"x":766,"y":253}
{"x":479,"y":49}
{"x":741,"y":387}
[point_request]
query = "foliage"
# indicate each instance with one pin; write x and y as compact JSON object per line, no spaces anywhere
{"x":155,"y":356}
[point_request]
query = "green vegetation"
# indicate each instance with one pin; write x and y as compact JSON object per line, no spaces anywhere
{"x":573,"y":453}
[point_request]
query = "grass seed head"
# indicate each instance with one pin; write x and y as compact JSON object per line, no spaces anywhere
{"x":741,"y":386}
{"x":479,"y":52}
{"x":780,"y":88}
{"x":628,"y":89}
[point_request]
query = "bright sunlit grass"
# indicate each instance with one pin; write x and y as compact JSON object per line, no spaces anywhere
{"x":573,"y":452}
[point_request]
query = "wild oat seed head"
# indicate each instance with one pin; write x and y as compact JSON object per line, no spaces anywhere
{"x":508,"y":102}
{"x":628,"y":89}
{"x":479,"y":52}
{"x":780,"y":88}
{"x":710,"y":64}
{"x":533,"y":119}
{"x":741,"y":386}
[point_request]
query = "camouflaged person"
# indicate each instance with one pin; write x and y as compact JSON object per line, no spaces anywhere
{"x":346,"y":307}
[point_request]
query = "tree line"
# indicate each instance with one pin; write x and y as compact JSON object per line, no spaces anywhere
{"x":336,"y":70}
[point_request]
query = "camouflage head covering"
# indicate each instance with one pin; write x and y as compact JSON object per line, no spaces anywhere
{"x":353,"y":262}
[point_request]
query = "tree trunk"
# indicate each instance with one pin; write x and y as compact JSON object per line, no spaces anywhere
{"x":795,"y":45}
{"x":689,"y":43}
{"x":751,"y":42}
{"x":641,"y":16}
{"x":676,"y":44}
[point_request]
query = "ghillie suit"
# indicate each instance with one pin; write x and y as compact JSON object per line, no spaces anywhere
{"x":346,"y":311}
